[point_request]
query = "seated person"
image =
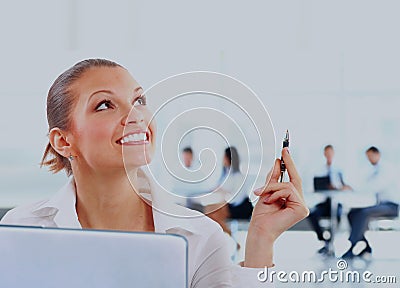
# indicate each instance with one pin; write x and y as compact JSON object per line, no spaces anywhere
{"x":183,"y":186}
{"x":380,"y":183}
{"x":323,"y":209}
{"x":231,"y":184}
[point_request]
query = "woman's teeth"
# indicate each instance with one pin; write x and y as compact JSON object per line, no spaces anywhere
{"x":134,"y":138}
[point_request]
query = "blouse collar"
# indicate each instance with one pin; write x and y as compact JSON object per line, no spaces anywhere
{"x":167,"y":216}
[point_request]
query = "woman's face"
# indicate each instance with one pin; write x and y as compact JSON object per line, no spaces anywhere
{"x":111,"y":120}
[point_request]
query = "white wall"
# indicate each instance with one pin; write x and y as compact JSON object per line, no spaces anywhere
{"x":327,"y":70}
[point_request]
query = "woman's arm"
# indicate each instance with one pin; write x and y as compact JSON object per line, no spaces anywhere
{"x":281,"y":205}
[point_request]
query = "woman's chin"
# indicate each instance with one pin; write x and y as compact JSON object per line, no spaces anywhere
{"x":137,"y":158}
{"x":136,"y":162}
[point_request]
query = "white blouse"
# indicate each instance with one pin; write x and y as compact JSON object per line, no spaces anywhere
{"x":208,"y":259}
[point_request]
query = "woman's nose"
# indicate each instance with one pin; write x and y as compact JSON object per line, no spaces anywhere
{"x":133,"y":116}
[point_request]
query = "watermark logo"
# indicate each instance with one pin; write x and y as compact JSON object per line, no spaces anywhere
{"x":342,"y":264}
{"x":341,"y":275}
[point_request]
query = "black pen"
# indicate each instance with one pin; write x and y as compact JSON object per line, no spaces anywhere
{"x":285,"y":144}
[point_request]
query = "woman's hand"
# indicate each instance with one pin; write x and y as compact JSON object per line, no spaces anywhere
{"x":280,"y":206}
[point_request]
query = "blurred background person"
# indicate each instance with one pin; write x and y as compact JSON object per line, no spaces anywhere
{"x":382,"y":184}
{"x":335,"y":181}
{"x":187,"y":157}
{"x":234,"y":201}
{"x":187,"y":185}
{"x":334,"y":172}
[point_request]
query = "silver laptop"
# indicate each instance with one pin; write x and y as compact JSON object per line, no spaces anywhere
{"x":52,"y":257}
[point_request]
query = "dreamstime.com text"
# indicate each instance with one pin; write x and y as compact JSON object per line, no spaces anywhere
{"x":334,"y":276}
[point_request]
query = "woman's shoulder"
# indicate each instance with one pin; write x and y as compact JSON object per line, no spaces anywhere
{"x":24,"y":214}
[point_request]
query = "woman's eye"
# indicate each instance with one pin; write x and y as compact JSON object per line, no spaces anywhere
{"x":140,"y":101}
{"x":103,"y":105}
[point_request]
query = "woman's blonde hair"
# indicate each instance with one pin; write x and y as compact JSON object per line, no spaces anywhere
{"x":60,"y":103}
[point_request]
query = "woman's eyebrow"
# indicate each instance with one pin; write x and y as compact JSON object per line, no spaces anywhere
{"x":137,"y":89}
{"x":110,"y":92}
{"x":137,"y":95}
{"x":100,"y":91}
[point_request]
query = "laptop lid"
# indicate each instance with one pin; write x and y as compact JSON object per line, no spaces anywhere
{"x":322,"y":183}
{"x":53,"y":257}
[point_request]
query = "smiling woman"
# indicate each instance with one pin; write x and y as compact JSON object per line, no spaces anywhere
{"x":103,"y":94}
{"x":97,"y":116}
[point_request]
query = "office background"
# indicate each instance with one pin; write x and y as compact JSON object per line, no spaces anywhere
{"x":327,"y":70}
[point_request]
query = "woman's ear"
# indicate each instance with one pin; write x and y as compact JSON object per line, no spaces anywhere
{"x":59,"y":141}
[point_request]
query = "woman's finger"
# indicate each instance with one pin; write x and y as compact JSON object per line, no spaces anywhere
{"x":272,"y":177}
{"x":276,"y":171}
{"x":288,"y":194}
{"x":291,"y":169}
{"x":273,"y":187}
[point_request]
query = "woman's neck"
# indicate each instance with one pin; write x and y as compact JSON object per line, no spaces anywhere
{"x":108,"y":201}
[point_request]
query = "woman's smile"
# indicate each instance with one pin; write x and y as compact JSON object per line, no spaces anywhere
{"x":139,"y":137}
